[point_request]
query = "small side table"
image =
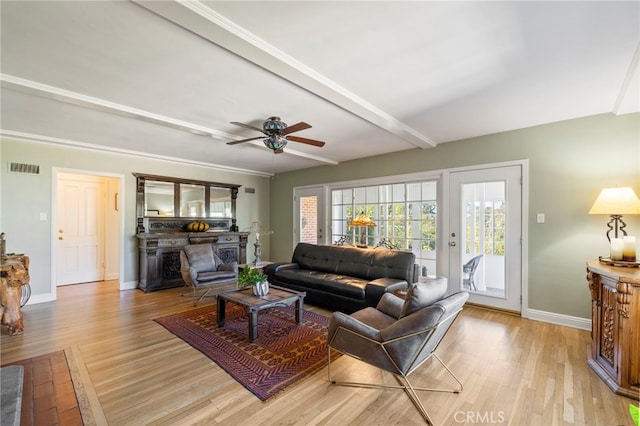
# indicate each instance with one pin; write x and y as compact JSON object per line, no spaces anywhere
{"x":14,"y":274}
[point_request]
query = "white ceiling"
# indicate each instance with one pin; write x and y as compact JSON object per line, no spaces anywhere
{"x":370,"y":77}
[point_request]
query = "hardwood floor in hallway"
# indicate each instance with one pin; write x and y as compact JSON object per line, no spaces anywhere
{"x":515,"y":371}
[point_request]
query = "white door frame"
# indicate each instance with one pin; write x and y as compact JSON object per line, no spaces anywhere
{"x":55,"y":171}
{"x":443,"y":248}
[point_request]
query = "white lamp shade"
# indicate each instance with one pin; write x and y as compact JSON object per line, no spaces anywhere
{"x":616,"y":201}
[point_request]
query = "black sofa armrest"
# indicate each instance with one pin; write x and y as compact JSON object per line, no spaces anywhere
{"x":376,"y":288}
{"x":272,"y":268}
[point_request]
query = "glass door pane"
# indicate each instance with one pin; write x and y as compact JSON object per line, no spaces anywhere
{"x":483,"y":268}
{"x":308,"y":216}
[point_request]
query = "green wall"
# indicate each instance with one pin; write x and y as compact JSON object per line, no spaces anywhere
{"x":24,"y":197}
{"x":569,"y":163}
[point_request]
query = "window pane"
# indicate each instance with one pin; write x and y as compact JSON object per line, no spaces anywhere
{"x":398,"y":192}
{"x":336,"y":197}
{"x":385,"y":193}
{"x":372,"y":194}
{"x":413,"y":191}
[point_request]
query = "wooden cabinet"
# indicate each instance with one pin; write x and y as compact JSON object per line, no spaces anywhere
{"x":159,"y":254}
{"x":615,"y":326}
{"x":164,"y":207}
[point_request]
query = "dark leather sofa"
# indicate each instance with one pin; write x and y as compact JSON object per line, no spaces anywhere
{"x":344,"y":278}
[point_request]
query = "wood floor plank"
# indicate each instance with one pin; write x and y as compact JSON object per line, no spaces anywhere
{"x":88,"y":402}
{"x":515,"y":371}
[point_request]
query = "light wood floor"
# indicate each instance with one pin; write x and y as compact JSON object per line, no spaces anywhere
{"x":515,"y":371}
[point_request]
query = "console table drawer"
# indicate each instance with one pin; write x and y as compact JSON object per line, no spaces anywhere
{"x":225,"y":239}
{"x":173,"y":242}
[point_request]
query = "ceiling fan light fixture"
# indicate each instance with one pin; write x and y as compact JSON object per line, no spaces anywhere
{"x":275,"y":142}
{"x":274,"y":125}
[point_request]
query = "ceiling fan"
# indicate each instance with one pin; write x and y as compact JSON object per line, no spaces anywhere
{"x":277,"y":134}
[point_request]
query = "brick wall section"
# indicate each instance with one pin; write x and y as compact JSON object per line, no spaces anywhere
{"x":309,"y":218}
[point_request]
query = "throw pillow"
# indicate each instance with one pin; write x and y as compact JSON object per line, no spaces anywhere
{"x":422,"y":294}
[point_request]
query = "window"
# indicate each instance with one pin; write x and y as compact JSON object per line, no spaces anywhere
{"x":405,"y":215}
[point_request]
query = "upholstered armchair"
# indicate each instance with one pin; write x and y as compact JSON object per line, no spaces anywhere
{"x":202,"y":269}
{"x":398,"y":335}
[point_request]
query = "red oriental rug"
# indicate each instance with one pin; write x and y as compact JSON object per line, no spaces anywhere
{"x":284,"y":352}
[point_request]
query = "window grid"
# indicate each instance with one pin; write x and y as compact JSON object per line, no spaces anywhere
{"x":405,"y":215}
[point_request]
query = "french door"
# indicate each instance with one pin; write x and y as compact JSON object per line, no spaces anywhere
{"x":308,"y":216}
{"x":485,"y":235}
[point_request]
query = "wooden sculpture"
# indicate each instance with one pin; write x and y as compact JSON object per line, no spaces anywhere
{"x":14,"y":273}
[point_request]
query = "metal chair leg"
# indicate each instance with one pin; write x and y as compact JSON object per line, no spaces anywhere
{"x":404,"y":384}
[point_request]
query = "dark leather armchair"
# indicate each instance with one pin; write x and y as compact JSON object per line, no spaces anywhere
{"x":398,"y":335}
{"x":201,"y":268}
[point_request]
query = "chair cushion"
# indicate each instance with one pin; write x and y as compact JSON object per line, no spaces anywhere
{"x":200,"y":257}
{"x":208,"y":277}
{"x":422,"y":294}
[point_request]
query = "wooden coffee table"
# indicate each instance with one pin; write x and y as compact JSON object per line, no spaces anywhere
{"x":276,"y":297}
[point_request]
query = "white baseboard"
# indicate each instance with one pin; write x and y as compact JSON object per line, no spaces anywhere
{"x":129,"y":285}
{"x":48,"y":297}
{"x":559,"y":319}
{"x":40,"y":298}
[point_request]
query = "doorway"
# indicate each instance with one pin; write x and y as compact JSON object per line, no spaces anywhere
{"x":485,"y":235}
{"x":87,"y":228}
{"x":308,"y":216}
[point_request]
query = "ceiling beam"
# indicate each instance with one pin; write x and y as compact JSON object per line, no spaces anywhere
{"x":196,"y":17}
{"x":62,"y":95}
{"x":31,"y":137}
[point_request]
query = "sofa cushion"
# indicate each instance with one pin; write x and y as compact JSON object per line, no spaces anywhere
{"x":351,"y":287}
{"x":318,"y":258}
{"x":422,"y":294}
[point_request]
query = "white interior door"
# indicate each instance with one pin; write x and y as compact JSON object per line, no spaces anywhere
{"x":485,"y":235}
{"x":80,"y":228}
{"x":308,"y":216}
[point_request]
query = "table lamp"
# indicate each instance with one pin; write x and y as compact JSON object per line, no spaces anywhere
{"x":256,"y":229}
{"x":363,"y":222}
{"x":616,"y":202}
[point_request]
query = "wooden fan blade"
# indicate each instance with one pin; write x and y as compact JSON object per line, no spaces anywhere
{"x":296,"y":128}
{"x":305,"y":140}
{"x":245,"y":140}
{"x":248,"y":126}
{"x":278,"y":151}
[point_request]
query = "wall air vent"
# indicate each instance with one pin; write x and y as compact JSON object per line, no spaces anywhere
{"x":24,"y":168}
